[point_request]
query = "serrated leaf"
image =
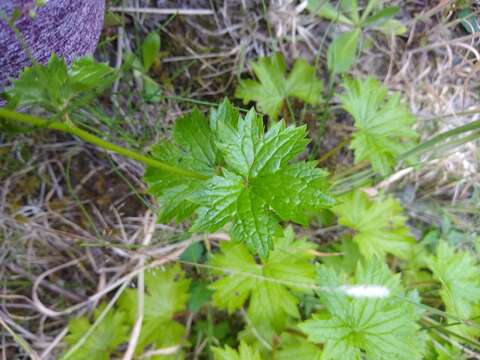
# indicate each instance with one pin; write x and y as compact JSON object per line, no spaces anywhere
{"x":194,"y":151}
{"x":193,"y":135}
{"x":458,"y":272}
{"x":251,"y":180}
{"x":218,"y":199}
{"x":150,"y":49}
{"x":54,"y":87}
{"x":383,"y":124}
{"x":280,"y":145}
{"x":103,"y":341}
{"x":298,"y":348}
{"x":273,"y":87}
{"x":287,"y":267}
{"x":302,"y":189}
{"x":166,"y":295}
{"x":365,"y":328}
{"x":245,"y":352}
{"x":380,"y":227}
{"x":239,"y":145}
{"x":342,"y":51}
{"x":254,"y":224}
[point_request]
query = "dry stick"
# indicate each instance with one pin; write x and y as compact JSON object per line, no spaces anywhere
{"x":20,"y":341}
{"x":149,"y":228}
{"x":155,"y":11}
{"x":126,"y":278}
{"x":164,"y":351}
{"x":36,"y":300}
{"x":444,"y":43}
{"x":53,"y":344}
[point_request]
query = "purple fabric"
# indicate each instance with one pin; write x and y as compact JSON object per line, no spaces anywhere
{"x":69,"y":28}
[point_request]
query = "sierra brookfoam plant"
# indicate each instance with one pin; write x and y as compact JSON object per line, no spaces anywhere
{"x":250,"y":178}
{"x":267,"y":294}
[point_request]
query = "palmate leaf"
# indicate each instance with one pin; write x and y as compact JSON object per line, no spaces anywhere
{"x":267,"y":285}
{"x":365,"y":328}
{"x":244,"y":352}
{"x":298,"y":348}
{"x":379,"y":225}
{"x":166,"y":295}
{"x":103,"y":341}
{"x":383,"y":124}
{"x":251,"y":181}
{"x":458,"y":273}
{"x":273,"y":87}
{"x":55,"y":87}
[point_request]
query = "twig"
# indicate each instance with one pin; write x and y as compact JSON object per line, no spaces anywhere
{"x":190,"y":12}
{"x":149,"y":228}
{"x":20,"y":341}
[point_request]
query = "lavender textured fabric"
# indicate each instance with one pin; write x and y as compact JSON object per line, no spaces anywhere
{"x":69,"y":28}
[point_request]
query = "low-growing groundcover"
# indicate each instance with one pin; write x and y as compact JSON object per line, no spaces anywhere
{"x":381,"y":288}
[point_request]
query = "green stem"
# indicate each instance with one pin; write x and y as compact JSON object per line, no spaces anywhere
{"x":92,"y":139}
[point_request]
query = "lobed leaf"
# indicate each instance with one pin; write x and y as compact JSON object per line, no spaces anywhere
{"x":244,"y":352}
{"x":365,"y":328}
{"x":166,"y":295}
{"x":268,"y":285}
{"x":457,"y":271}
{"x":251,"y":180}
{"x":56,"y":87}
{"x":103,"y":341}
{"x":379,"y":225}
{"x":383,"y":124}
{"x":273,"y":87}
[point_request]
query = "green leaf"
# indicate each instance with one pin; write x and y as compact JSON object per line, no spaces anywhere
{"x":391,"y":27}
{"x":287,"y":268}
{"x":382,"y":16}
{"x":380,"y":227}
{"x":218,"y":199}
{"x":310,"y":194}
{"x":194,"y":136}
{"x":298,"y":348}
{"x":245,"y":352}
{"x":351,"y":7}
{"x":365,"y":328}
{"x":151,"y":90}
{"x":458,"y":273}
{"x":254,"y":224}
{"x":103,"y":341}
{"x":239,"y":144}
{"x":342,"y":52}
{"x":56,"y":88}
{"x":200,"y":295}
{"x":273,"y":87}
{"x":383,"y":124}
{"x":150,"y":49}
{"x":326,"y":10}
{"x":166,"y":295}
{"x":251,"y":182}
{"x":194,"y":151}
